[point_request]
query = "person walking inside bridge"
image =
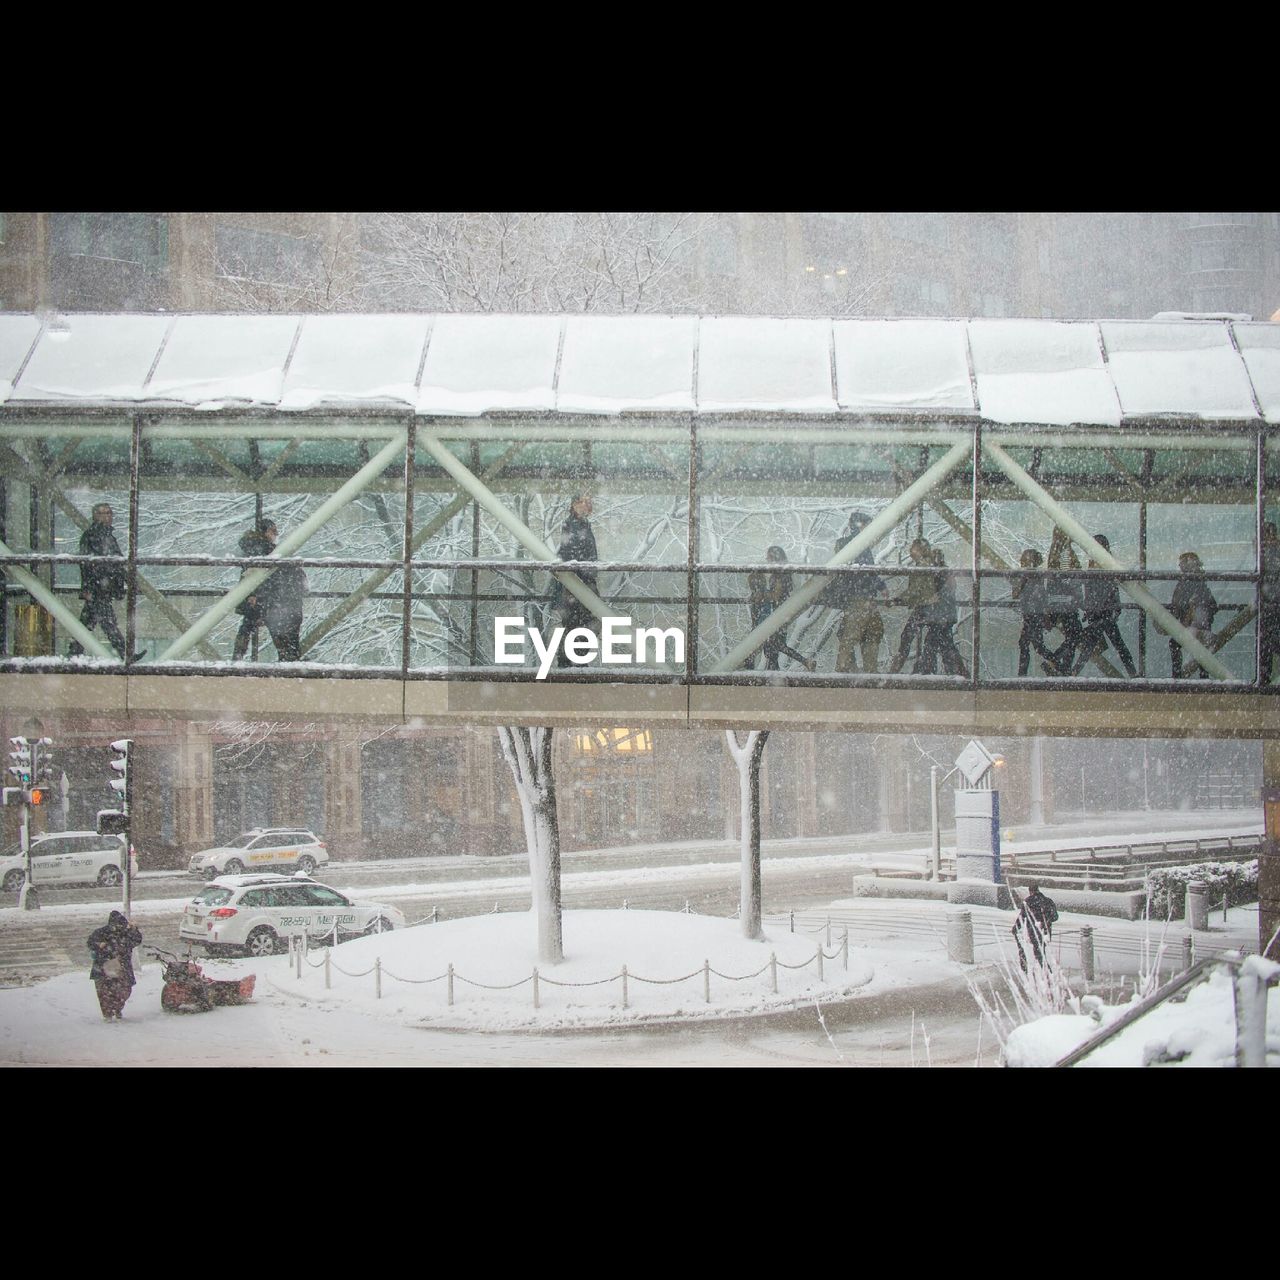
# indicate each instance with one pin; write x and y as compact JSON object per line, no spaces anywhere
{"x":277,"y":601}
{"x":1101,"y":619}
{"x":1193,"y":605}
{"x":577,"y":542}
{"x":768,"y":591}
{"x":102,"y":584}
{"x":854,"y":594}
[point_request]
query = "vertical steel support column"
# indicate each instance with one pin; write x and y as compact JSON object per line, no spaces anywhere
{"x":411,"y":437}
{"x":1261,"y":488}
{"x":976,"y":557}
{"x":693,"y":537}
{"x":4,"y":578}
{"x":131,"y":597}
{"x":473,"y":623}
{"x":1148,"y":461}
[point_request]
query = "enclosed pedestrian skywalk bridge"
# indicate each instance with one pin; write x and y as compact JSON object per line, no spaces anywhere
{"x":419,"y":469}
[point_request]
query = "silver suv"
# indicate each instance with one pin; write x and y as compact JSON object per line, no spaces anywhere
{"x":262,"y":849}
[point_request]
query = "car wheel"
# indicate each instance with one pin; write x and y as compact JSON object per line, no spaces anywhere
{"x":13,"y":881}
{"x":262,"y":942}
{"x":234,"y":867}
{"x":373,"y":928}
{"x":109,"y":876}
{"x":306,"y":864}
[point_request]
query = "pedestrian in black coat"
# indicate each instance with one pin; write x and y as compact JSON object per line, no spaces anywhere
{"x":112,"y":970}
{"x":577,"y":542}
{"x":1031,"y":593}
{"x":277,"y":601}
{"x":1194,"y":606}
{"x":1038,"y":913}
{"x":102,"y":584}
{"x":1101,"y":619}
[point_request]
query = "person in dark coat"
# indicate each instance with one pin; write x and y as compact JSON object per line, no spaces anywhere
{"x":921,"y":592}
{"x":1030,"y":593}
{"x":861,"y":627}
{"x":577,"y":542}
{"x":1270,"y":618}
{"x":1062,"y":605}
{"x":101,"y":584}
{"x":1101,"y":619}
{"x":1038,"y":913}
{"x":1194,"y":606}
{"x":277,"y":601}
{"x":940,"y":616}
{"x":112,"y":971}
{"x":768,"y":591}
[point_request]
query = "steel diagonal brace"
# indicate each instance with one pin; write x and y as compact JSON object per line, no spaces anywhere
{"x":45,"y":484}
{"x":423,"y":535}
{"x":534,"y":545}
{"x":1078,"y":534}
{"x":55,"y":606}
{"x":800,"y":599}
{"x":288,"y":545}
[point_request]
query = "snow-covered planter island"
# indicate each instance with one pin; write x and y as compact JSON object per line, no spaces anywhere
{"x":672,"y":960}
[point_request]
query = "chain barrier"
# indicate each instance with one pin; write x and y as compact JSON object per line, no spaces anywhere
{"x":300,"y":948}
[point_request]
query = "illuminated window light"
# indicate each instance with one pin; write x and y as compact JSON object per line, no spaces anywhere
{"x":811,"y":268}
{"x":842,"y":271}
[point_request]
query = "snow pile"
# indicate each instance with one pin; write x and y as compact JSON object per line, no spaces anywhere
{"x":1199,"y":1031}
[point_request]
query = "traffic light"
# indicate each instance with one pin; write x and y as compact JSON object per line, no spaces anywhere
{"x":21,"y":766}
{"x":120,"y":763}
{"x":38,"y":795}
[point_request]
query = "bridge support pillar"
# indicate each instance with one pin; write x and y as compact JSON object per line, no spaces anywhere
{"x":193,"y":792}
{"x":344,"y":824}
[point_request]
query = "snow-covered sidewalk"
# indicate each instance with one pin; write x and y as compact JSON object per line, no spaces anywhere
{"x":493,"y":959}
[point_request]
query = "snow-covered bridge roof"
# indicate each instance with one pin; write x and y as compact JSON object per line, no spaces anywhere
{"x":1011,"y":371}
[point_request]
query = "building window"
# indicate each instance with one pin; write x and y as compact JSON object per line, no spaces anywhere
{"x":622,"y":740}
{"x":921,"y":228}
{"x":266,"y":257}
{"x":141,"y":238}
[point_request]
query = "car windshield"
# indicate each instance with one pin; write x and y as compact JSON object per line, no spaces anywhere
{"x":214,"y":896}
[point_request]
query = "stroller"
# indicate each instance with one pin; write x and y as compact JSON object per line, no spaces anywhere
{"x":187,"y":990}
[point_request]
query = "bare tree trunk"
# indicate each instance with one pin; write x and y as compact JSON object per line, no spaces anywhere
{"x":747,"y":756}
{"x":528,"y":753}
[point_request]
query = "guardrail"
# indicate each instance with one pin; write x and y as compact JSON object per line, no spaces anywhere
{"x":1252,"y":977}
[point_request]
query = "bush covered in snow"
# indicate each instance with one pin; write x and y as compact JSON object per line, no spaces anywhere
{"x":1168,"y":886}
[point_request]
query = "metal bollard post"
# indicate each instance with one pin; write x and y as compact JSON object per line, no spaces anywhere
{"x":773,"y":970}
{"x":844,"y":950}
{"x":1197,"y":908}
{"x":960,"y":937}
{"x":820,"y":976}
{"x":793,"y":922}
{"x":327,"y":954}
{"x":1188,"y":952}
{"x":377,"y":977}
{"x":435,"y":914}
{"x":449,"y":986}
{"x":624,"y":904}
{"x":828,"y":931}
{"x":1086,"y":951}
{"x":297,"y":955}
{"x":686,"y":906}
{"x":706,"y":981}
{"x":624,"y":986}
{"x":535,"y":986}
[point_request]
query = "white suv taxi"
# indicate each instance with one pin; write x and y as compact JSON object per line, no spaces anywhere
{"x":67,"y":857}
{"x":257,"y":913}
{"x":259,"y":849}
